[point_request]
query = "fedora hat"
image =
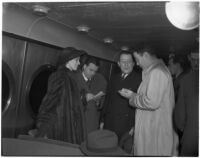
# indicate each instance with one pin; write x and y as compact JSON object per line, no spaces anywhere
{"x":102,"y":143}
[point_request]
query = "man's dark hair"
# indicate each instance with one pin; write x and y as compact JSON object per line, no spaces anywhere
{"x":126,"y":53}
{"x":178,"y":59}
{"x":142,"y":48}
{"x":181,"y":59}
{"x":92,"y":60}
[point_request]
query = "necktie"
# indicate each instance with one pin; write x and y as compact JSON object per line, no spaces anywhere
{"x":89,"y":84}
{"x":124,"y":76}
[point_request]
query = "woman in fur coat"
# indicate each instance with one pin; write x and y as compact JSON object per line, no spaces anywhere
{"x":61,"y":112}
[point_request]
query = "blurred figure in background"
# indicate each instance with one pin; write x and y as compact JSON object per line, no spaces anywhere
{"x":61,"y":114}
{"x":186,"y":114}
{"x":177,"y":67}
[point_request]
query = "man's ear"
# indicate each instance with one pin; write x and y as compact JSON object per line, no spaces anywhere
{"x":84,"y":66}
{"x":118,"y":63}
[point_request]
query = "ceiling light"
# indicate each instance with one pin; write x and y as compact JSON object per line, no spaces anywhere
{"x":83,"y":28}
{"x":40,"y":10}
{"x":183,"y":15}
{"x":125,"y":48}
{"x":108,"y":40}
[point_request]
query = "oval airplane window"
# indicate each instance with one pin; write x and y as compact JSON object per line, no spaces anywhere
{"x":7,"y":87}
{"x":38,"y":86}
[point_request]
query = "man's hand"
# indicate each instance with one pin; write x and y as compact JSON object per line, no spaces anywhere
{"x":101,"y":125}
{"x":131,"y":131}
{"x":126,"y":93}
{"x":89,"y":96}
{"x":33,"y":132}
{"x":99,"y":95}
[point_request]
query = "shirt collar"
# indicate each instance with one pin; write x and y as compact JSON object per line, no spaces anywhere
{"x":85,"y":78}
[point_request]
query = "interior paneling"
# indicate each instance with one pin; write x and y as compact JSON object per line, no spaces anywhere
{"x":37,"y":56}
{"x":12,"y":54}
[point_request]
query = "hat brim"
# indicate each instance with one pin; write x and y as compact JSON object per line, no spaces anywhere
{"x":117,"y":152}
{"x":75,"y":55}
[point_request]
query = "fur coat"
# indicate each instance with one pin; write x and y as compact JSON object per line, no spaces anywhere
{"x":61,"y":112}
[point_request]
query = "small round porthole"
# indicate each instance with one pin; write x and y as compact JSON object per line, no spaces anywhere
{"x":38,"y":85}
{"x":7,"y":87}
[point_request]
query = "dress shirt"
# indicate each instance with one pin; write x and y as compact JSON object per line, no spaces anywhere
{"x":85,"y":78}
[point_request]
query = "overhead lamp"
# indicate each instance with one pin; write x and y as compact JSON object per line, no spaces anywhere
{"x":83,"y":28}
{"x":108,"y":40}
{"x":40,"y":10}
{"x":183,"y":15}
{"x":125,"y":48}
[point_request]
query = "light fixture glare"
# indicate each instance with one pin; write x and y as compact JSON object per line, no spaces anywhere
{"x":108,"y":40}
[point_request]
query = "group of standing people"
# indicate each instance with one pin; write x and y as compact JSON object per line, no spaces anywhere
{"x":70,"y":108}
{"x":79,"y":102}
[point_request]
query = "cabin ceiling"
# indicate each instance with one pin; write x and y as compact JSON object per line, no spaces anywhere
{"x":128,"y":23}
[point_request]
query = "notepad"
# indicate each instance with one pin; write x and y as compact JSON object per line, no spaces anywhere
{"x":98,"y":95}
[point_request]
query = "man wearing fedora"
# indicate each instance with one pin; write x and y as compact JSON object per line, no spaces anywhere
{"x":61,"y":114}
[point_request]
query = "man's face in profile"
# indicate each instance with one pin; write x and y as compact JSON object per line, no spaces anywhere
{"x":194,"y":60}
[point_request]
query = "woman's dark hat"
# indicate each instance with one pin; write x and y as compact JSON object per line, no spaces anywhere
{"x":69,"y":53}
{"x":102,"y":143}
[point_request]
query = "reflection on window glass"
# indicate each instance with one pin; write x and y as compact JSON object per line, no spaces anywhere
{"x":5,"y":90}
{"x":39,"y":88}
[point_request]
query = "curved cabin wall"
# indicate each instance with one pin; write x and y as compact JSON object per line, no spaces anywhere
{"x":25,"y":57}
{"x":12,"y":56}
{"x":19,"y":21}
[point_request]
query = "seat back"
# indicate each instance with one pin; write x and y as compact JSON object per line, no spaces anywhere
{"x":28,"y":146}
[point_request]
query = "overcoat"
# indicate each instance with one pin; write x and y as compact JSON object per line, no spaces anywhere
{"x":61,"y":112}
{"x":154,"y":102}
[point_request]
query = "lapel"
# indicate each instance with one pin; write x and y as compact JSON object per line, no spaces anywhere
{"x":82,"y":82}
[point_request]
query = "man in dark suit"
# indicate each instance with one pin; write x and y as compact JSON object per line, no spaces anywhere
{"x":177,"y":66}
{"x":186,"y":114}
{"x":91,"y":83}
{"x":117,"y":115}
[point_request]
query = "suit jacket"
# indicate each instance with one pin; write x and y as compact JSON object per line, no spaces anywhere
{"x":92,"y":110}
{"x":176,"y":83}
{"x":186,"y":113}
{"x":117,"y":114}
